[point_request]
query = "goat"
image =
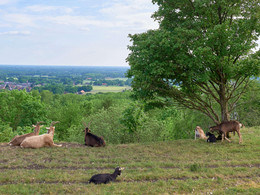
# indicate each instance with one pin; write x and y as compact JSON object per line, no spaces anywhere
{"x":212,"y":137}
{"x":41,"y":140}
{"x":93,"y":140}
{"x":199,"y":133}
{"x":228,"y":126}
{"x":105,"y":178}
{"x":17,"y":140}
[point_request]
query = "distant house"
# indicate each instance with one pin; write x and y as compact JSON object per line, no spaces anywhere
{"x":82,"y":92}
{"x":2,"y":86}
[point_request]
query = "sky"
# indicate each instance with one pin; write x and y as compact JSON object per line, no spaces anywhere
{"x":71,"y":32}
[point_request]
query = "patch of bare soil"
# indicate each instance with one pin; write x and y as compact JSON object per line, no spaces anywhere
{"x":3,"y":145}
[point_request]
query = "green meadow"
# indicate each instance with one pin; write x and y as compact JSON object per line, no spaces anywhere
{"x":170,"y":167}
{"x":106,"y":89}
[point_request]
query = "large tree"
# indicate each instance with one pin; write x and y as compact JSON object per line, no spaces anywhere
{"x":203,"y":55}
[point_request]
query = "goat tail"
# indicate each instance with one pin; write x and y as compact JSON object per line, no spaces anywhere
{"x":241,"y":125}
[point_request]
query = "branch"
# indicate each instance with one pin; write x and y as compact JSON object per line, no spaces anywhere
{"x":238,"y":96}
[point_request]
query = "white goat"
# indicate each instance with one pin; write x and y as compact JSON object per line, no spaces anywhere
{"x":200,"y":133}
{"x":40,"y":141}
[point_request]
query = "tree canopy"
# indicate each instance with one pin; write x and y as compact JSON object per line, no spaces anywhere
{"x":203,"y":55}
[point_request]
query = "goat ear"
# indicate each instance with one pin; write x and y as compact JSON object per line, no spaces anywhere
{"x":48,"y":128}
{"x":33,"y":125}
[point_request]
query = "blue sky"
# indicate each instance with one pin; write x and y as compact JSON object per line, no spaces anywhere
{"x":71,"y":32}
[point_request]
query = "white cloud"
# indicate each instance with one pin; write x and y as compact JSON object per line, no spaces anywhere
{"x":15,"y":33}
{"x":5,"y":2}
{"x":81,"y":32}
{"x":44,"y":8}
{"x":20,"y":19}
{"x":133,"y":15}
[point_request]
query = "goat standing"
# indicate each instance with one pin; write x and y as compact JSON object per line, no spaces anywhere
{"x":17,"y":140}
{"x":41,"y":140}
{"x":105,"y":178}
{"x":228,"y":126}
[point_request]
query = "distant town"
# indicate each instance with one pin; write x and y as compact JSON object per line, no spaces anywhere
{"x":12,"y":85}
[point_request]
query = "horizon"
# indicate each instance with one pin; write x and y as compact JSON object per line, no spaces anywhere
{"x":123,"y":66}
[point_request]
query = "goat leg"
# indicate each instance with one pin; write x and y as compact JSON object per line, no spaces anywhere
{"x":227,"y":139}
{"x":240,"y":137}
{"x":222,"y":137}
{"x":56,"y":145}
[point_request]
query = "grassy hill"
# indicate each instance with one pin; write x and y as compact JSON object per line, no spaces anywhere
{"x":176,"y":167}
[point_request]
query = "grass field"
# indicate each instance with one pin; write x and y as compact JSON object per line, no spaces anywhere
{"x":106,"y":89}
{"x":172,"y":167}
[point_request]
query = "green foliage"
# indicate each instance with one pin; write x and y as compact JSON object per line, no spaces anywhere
{"x":19,"y":108}
{"x":6,"y":133}
{"x":248,"y":107}
{"x":133,"y":117}
{"x":115,"y":116}
{"x":203,"y":54}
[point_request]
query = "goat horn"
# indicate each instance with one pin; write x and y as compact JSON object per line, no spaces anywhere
{"x":39,"y":123}
{"x":54,"y":122}
{"x":84,"y":124}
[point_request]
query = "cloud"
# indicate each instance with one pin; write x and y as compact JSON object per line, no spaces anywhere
{"x":5,"y":2}
{"x":133,"y":15}
{"x":44,"y":8}
{"x":15,"y":33}
{"x":20,"y":19}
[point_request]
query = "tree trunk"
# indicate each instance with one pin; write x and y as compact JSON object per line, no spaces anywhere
{"x":223,"y":104}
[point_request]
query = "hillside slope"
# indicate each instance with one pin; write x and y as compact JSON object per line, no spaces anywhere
{"x":181,"y":167}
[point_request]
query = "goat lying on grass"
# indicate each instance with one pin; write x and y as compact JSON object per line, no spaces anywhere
{"x":105,"y":178}
{"x":93,"y":140}
{"x":212,"y":137}
{"x":228,"y":126}
{"x":200,"y":133}
{"x":41,"y":140}
{"x":17,"y":140}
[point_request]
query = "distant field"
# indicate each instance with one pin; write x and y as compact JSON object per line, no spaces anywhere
{"x":172,"y":167}
{"x":106,"y":89}
{"x":111,"y":79}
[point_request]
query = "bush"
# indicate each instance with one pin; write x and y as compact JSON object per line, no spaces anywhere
{"x":6,"y":133}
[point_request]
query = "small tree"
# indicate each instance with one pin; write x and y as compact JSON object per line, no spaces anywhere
{"x":203,"y":55}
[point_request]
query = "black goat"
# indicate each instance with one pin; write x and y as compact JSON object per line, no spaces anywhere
{"x":93,"y":140}
{"x":212,"y":137}
{"x":106,"y":177}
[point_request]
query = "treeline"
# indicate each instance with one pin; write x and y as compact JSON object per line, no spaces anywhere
{"x":60,"y":88}
{"x":66,"y":75}
{"x":118,"y":117}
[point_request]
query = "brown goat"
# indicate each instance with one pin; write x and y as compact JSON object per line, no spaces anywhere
{"x":93,"y":140}
{"x":17,"y":140}
{"x":228,"y":126}
{"x":41,"y":140}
